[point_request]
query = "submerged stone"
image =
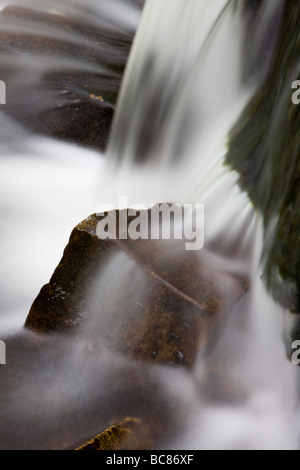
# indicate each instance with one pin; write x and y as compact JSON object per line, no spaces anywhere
{"x":69,"y":65}
{"x":149,"y":300}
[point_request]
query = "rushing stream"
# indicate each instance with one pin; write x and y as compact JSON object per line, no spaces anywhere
{"x":192,"y":68}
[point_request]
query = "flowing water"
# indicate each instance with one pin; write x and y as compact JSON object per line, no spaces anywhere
{"x":189,"y":75}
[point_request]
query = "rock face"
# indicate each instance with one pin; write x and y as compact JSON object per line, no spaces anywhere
{"x":264,"y":147}
{"x":68,"y":85}
{"x":149,"y":300}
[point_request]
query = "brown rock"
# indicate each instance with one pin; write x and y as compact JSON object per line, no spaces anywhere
{"x":145,"y":299}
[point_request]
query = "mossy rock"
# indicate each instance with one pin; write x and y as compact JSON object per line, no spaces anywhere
{"x":264,"y":147}
{"x":149,"y":300}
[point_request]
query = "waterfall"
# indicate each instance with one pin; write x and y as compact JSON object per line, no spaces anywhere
{"x":186,"y":83}
{"x":193,"y":67}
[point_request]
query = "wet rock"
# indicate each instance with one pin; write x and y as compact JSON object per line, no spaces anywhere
{"x":149,"y":300}
{"x":62,"y":74}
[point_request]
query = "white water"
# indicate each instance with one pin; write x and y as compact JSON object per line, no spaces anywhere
{"x":190,"y":95}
